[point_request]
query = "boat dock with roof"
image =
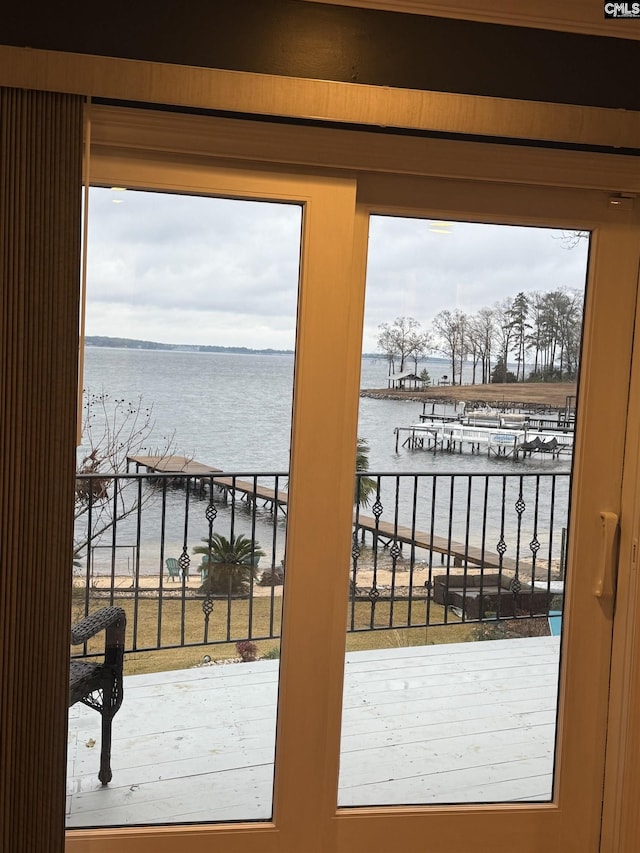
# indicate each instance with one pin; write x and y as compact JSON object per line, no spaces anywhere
{"x":503,"y":442}
{"x":510,"y":435}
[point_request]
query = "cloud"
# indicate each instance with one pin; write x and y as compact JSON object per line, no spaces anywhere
{"x":416,"y":270}
{"x":192,"y":269}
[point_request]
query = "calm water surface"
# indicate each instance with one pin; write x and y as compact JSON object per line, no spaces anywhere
{"x":234,"y":412}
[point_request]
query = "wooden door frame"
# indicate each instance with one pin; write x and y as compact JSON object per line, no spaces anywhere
{"x":300,"y":820}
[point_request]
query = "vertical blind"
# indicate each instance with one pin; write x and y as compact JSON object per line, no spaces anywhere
{"x":40,"y":214}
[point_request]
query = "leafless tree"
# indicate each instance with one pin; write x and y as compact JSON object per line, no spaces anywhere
{"x":571,"y":239}
{"x":504,"y":328}
{"x":451,"y":330}
{"x":112,"y":431}
{"x":419,"y":345}
{"x":399,"y":341}
{"x":483,"y":329}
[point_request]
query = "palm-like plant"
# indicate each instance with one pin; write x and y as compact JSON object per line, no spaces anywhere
{"x":230,"y":563}
{"x":365,"y":486}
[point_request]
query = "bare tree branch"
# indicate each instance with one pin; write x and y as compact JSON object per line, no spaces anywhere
{"x":112,"y":431}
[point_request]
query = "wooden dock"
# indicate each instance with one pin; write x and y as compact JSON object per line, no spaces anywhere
{"x":202,"y":473}
{"x":172,"y":465}
{"x":383,"y":532}
{"x":386,"y":532}
{"x":251,"y":492}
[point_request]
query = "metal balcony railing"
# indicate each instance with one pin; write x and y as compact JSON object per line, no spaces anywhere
{"x":200,"y":560}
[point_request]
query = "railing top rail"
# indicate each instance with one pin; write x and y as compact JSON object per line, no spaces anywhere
{"x":483,"y":474}
{"x":173,"y":475}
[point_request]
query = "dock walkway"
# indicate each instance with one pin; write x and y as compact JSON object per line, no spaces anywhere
{"x":204,"y":474}
{"x":386,"y":532}
{"x":383,"y":532}
{"x":172,"y":465}
{"x":251,"y":491}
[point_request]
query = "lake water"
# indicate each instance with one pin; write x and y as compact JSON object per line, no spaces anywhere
{"x":234,"y":413}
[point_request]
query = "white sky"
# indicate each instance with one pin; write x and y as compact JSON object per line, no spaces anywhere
{"x":192,"y":270}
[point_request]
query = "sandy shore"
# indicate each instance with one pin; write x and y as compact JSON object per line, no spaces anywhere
{"x":147,"y":583}
{"x":364,"y":579}
{"x":551,"y":394}
{"x":125,"y":584}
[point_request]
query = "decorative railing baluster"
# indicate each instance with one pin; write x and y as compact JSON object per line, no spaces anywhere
{"x":395,"y":549}
{"x":501,"y":546}
{"x":117,"y":485}
{"x":274,"y":559}
{"x":483,"y":545}
{"x":355,"y":555}
{"x":552,"y":504}
{"x":430,"y":590}
{"x":412,"y":554}
{"x":374,"y":593}
{"x":449,"y":541}
{"x":163,"y":521}
{"x":534,"y":544}
{"x":184,"y":561}
{"x":207,"y":610}
{"x":253,"y":507}
{"x":516,"y":586}
{"x":136,"y":567}
{"x":89,"y":554}
{"x":466,"y":547}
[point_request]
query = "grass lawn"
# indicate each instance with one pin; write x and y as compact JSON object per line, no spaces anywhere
{"x":178,"y":622}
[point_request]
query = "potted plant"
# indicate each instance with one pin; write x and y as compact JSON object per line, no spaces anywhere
{"x":228,"y":565}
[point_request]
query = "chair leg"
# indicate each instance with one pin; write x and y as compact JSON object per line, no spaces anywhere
{"x":111,"y":700}
{"x":105,"y":755}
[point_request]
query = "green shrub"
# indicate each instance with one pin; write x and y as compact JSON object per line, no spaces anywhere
{"x":230,"y":564}
{"x":272,"y":654}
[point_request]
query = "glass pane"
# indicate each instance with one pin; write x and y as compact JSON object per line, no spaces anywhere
{"x":471,"y":355}
{"x":181,"y":507}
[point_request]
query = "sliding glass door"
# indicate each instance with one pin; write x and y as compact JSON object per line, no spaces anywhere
{"x":452,"y":534}
{"x":485,"y":523}
{"x":467,"y":425}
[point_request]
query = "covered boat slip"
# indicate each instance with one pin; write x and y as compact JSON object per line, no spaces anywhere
{"x":463,"y":722}
{"x":497,"y":441}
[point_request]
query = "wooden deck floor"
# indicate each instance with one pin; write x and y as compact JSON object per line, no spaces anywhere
{"x":468,"y":722}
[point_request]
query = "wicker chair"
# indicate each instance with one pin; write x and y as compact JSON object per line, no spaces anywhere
{"x":99,"y":685}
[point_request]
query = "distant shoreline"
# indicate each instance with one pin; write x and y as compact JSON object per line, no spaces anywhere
{"x":552,"y":394}
{"x":105,"y":342}
{"x":131,"y":343}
